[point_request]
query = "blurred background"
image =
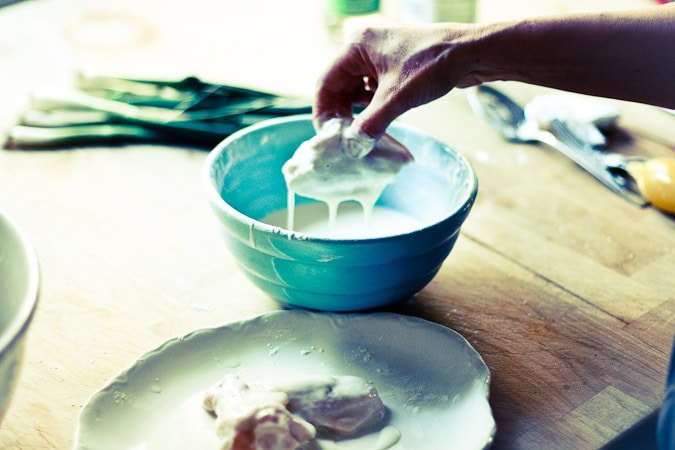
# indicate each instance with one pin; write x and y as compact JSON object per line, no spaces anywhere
{"x":227,"y":41}
{"x":270,"y":45}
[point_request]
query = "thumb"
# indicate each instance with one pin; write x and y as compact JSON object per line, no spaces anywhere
{"x":356,"y":143}
{"x":366,"y":129}
{"x":371,"y":122}
{"x":376,"y":117}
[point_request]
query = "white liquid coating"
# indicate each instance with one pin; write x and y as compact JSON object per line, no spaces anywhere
{"x":322,"y":169}
{"x":350,"y":222}
{"x":253,"y":415}
{"x":190,"y":426}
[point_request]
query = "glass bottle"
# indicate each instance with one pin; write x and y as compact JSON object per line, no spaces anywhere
{"x":343,"y":16}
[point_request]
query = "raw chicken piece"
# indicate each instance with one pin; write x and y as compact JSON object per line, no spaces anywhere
{"x":254,"y":418}
{"x":284,"y":416}
{"x":322,"y":169}
{"x":343,"y":405}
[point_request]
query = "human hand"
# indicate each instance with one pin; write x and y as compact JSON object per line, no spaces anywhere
{"x":390,"y":70}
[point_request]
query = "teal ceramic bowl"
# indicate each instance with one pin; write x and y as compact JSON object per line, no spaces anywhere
{"x":244,"y":184}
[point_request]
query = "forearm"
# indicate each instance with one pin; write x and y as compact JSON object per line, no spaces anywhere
{"x":626,"y":55}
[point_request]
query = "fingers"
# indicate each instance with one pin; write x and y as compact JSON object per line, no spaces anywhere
{"x":348,"y":82}
{"x":357,"y":144}
{"x":329,"y":104}
{"x":368,"y":126}
{"x":369,"y":72}
{"x":338,"y":93}
{"x":385,"y":106}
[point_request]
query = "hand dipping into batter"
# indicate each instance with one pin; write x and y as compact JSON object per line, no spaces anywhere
{"x":323,"y":169}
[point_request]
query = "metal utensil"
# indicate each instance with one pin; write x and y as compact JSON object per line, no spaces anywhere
{"x":654,"y":178}
{"x":509,"y":118}
{"x":651,"y":178}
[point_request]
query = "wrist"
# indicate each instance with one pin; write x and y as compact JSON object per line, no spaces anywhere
{"x":492,"y":52}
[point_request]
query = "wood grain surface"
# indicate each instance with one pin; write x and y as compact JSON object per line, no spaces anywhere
{"x":565,"y":289}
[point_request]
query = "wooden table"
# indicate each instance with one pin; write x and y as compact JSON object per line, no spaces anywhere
{"x":565,"y":289}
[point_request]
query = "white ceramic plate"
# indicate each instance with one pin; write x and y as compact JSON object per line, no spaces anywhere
{"x":434,"y":384}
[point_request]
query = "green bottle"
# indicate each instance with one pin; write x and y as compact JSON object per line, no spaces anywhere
{"x":342,"y":15}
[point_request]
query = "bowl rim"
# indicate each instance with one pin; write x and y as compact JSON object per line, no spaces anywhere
{"x":20,"y":322}
{"x":216,"y":200}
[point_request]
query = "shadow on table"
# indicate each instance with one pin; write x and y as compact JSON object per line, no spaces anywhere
{"x":640,"y":436}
